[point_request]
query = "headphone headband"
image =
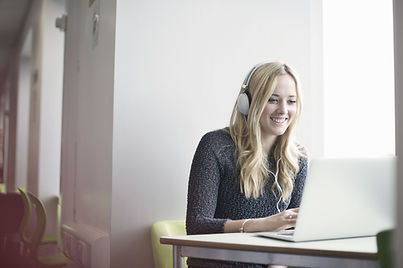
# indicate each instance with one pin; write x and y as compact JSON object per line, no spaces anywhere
{"x":245,"y":84}
{"x":245,"y":99}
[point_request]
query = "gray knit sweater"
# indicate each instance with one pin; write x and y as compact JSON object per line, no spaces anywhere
{"x":214,"y":192}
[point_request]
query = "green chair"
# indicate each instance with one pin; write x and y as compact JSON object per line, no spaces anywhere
{"x":162,"y":254}
{"x":37,"y":238}
{"x":24,"y":226}
{"x":385,"y":243}
{"x":3,"y":188}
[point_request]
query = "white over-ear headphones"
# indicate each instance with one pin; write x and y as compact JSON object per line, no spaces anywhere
{"x":245,"y":99}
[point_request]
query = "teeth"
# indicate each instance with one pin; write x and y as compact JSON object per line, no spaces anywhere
{"x":279,"y":120}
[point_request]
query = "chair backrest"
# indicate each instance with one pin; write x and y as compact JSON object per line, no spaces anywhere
{"x":3,"y":188}
{"x":40,"y":225}
{"x":27,"y":214}
{"x":162,"y":254}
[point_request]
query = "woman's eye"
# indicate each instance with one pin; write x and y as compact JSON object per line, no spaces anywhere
{"x":271,"y":100}
{"x":292,"y":101}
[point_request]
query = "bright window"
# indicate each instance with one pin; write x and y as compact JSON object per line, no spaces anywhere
{"x":358,"y":78}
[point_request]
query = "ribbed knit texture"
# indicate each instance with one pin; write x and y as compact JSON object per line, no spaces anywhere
{"x":214,"y":192}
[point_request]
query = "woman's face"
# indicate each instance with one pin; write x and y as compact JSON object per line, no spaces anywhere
{"x":280,"y":109}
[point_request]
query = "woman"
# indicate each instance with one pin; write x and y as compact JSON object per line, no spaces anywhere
{"x":249,"y":177}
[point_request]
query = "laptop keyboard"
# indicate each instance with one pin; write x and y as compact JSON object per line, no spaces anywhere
{"x":286,"y":233}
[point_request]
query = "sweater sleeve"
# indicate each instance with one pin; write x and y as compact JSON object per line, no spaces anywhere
{"x":299,"y":183}
{"x":204,"y":182}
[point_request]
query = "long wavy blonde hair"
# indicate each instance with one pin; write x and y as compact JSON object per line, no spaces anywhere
{"x":246,"y":133}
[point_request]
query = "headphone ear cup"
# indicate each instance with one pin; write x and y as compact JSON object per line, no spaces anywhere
{"x":243,"y":103}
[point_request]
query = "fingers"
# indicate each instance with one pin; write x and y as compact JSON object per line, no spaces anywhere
{"x":290,"y":216}
{"x":281,"y":221}
{"x":287,"y":219}
{"x":293,"y":210}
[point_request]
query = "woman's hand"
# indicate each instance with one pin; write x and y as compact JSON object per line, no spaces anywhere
{"x":281,"y":221}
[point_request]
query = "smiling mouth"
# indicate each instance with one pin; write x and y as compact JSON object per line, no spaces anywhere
{"x":279,"y":120}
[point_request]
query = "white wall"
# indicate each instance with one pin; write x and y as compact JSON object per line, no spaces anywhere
{"x":24,"y":84}
{"x":22,"y":121}
{"x":9,"y":123}
{"x":86,"y":169}
{"x":52,"y":48}
{"x":178,"y":68}
{"x":87,"y":117}
{"x":50,"y":109}
{"x":34,"y":102}
{"x":398,"y":31}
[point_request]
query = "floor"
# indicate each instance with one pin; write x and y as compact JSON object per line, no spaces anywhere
{"x":10,"y":256}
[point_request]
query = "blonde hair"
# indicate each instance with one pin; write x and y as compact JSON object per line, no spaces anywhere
{"x":246,"y":133}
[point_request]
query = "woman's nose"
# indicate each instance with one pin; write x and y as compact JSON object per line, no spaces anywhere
{"x":282,"y":108}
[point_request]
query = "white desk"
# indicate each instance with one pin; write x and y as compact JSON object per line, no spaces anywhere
{"x":249,"y":247}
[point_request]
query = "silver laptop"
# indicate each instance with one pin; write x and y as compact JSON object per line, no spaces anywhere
{"x":343,"y":198}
